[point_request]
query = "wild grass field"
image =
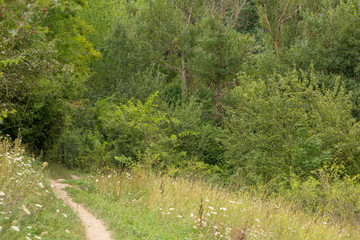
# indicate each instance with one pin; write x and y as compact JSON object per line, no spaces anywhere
{"x":142,"y":205}
{"x":28,"y":206}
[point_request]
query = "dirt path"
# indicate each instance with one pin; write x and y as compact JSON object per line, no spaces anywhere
{"x":95,"y":229}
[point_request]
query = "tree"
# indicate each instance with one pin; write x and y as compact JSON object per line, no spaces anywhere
{"x":219,"y":55}
{"x":44,"y":62}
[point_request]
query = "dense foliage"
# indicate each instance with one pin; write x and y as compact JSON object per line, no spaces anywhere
{"x":252,"y":92}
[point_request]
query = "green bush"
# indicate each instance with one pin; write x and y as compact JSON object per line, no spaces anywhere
{"x":289,"y":125}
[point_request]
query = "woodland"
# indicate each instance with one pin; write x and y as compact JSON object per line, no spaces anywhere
{"x":260,"y":94}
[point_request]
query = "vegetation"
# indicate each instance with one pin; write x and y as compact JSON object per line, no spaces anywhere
{"x":138,"y":205}
{"x":258,"y":94}
{"x":28,"y":207}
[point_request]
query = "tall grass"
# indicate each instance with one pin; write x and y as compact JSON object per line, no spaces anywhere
{"x":204,"y":211}
{"x":28,"y":207}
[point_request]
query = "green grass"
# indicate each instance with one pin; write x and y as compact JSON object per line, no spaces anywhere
{"x":134,"y":220}
{"x":28,"y":206}
{"x":142,"y":205}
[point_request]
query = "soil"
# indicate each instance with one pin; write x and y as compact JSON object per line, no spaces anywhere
{"x":94,"y":228}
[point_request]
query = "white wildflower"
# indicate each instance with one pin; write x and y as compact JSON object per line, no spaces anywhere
{"x":211,"y":208}
{"x":213,"y":213}
{"x":0,"y":228}
{"x":223,"y":209}
{"x":109,"y":176}
{"x":16,"y":228}
{"x":216,"y":227}
{"x":170,"y":209}
{"x":25,"y":209}
{"x":29,"y":227}
{"x":257,"y":220}
{"x":97,"y":180}
{"x":179,"y":216}
{"x":207,"y":200}
{"x":37,"y":237}
{"x":2,"y":194}
{"x":192,"y":215}
{"x":38,"y":205}
{"x":67,"y":231}
{"x":27,"y":238}
{"x":65,"y":215}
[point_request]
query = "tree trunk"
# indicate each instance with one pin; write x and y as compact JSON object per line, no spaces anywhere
{"x":217,"y":106}
{"x":184,"y":74}
{"x":62,"y":153}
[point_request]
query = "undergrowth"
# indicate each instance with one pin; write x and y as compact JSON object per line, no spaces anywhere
{"x":28,"y":206}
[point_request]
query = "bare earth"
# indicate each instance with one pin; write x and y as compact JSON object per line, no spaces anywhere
{"x":95,"y":229}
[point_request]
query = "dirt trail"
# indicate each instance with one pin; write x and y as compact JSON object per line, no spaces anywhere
{"x":95,"y":229}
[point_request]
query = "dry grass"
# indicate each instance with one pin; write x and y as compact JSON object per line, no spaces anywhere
{"x":215,"y":212}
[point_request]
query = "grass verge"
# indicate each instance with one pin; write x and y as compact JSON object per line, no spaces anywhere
{"x":28,"y":206}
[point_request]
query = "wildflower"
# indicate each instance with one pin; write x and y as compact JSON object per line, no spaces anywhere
{"x":109,"y":176}
{"x":195,"y":227}
{"x":213,"y":213}
{"x":97,"y":180}
{"x":216,"y":227}
{"x":208,"y":214}
{"x":38,"y":205}
{"x":2,"y":194}
{"x":0,"y":228}
{"x":15,"y":228}
{"x":67,"y":231}
{"x":223,"y":209}
{"x":211,"y":208}
{"x":325,"y":223}
{"x":27,"y":238}
{"x":192,"y":215}
{"x":37,"y":237}
{"x":65,"y":215}
{"x":179,"y":216}
{"x":45,"y":164}
{"x":29,"y":227}
{"x":170,"y":209}
{"x":160,"y":209}
{"x":207,"y":200}
{"x":57,"y":210}
{"x":25,"y":209}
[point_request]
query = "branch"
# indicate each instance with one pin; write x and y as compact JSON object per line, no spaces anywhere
{"x":285,"y":9}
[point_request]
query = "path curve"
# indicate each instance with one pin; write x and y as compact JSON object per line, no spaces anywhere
{"x":94,"y":228}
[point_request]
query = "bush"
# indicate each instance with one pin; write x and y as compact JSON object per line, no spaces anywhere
{"x":289,"y":125}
